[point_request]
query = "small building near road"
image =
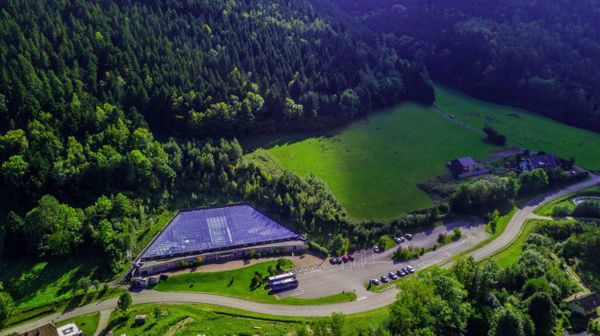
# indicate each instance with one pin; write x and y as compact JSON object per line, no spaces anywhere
{"x":584,"y":304}
{"x":70,"y":329}
{"x":463,"y":165}
{"x":140,"y":319}
{"x":547,"y":162}
{"x":466,"y":167}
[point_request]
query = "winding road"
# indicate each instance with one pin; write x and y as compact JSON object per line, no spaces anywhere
{"x":365,"y":303}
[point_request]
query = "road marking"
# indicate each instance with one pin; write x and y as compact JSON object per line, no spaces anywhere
{"x":361,"y":298}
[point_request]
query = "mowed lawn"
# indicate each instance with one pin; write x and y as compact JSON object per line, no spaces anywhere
{"x":524,"y":128}
{"x":373,"y":166}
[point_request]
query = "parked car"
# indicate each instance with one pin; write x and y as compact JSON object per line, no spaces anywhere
{"x":376,"y":249}
{"x":399,"y":240}
{"x":350,"y":257}
{"x":344,"y":259}
{"x":408,"y":236}
{"x":401,"y":272}
{"x":335,"y":260}
{"x":384,"y":279}
{"x":410,"y":269}
{"x":393,"y":276}
{"x":375,"y":282}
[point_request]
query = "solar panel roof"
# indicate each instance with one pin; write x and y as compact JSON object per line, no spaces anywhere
{"x":198,"y":231}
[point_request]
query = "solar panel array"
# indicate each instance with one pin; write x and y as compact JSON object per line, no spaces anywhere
{"x":197,"y":231}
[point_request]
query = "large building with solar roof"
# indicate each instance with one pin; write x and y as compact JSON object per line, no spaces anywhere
{"x":215,"y":234}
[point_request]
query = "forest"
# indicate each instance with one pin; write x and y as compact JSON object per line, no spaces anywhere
{"x":112,"y":110}
{"x":523,"y":53}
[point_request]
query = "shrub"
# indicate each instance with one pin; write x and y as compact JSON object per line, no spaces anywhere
{"x":318,"y":249}
{"x":408,"y":253}
{"x":561,"y":210}
{"x":587,"y":209}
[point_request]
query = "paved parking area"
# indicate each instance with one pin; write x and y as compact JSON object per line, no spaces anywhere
{"x":318,"y":281}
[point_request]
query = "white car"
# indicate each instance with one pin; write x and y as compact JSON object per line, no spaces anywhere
{"x":410,"y":269}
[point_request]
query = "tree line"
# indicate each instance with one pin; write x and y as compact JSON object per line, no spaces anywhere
{"x":523,"y":53}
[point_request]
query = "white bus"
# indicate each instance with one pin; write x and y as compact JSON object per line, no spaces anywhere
{"x":284,"y":284}
{"x":283,"y":276}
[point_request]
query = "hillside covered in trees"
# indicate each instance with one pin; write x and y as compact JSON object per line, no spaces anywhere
{"x":540,"y":55}
{"x":110,"y":110}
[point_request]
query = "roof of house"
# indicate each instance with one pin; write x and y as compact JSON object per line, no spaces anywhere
{"x":47,"y":329}
{"x":466,"y":161}
{"x":546,"y":160}
{"x":588,"y":301}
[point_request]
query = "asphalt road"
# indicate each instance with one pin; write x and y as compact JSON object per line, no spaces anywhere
{"x":513,"y":228}
{"x":366,"y":300}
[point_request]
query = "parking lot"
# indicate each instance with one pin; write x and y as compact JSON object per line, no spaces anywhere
{"x":327,"y":279}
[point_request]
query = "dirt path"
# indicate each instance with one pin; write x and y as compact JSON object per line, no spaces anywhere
{"x":103,"y":322}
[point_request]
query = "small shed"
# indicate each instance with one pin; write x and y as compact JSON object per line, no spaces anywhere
{"x":140,"y":319}
{"x":463,"y":165}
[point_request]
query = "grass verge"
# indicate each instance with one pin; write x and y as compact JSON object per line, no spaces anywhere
{"x":511,"y":254}
{"x":213,"y":320}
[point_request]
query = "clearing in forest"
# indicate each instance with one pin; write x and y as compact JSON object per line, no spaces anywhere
{"x":373,"y":165}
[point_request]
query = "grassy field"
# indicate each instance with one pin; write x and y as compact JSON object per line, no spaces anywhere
{"x":511,"y":254}
{"x":236,"y":283}
{"x":373,"y":165}
{"x":212,"y":320}
{"x":86,"y":323}
{"x":524,"y":128}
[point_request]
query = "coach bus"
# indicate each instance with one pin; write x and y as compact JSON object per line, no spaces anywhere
{"x":284,"y":284}
{"x":280,"y":277}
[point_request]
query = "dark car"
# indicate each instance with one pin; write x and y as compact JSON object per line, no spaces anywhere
{"x":393,"y":276}
{"x":401,"y":272}
{"x":345,"y":259}
{"x":350,"y":257}
{"x":384,"y":279}
{"x":376,"y":249}
{"x":375,"y":282}
{"x":408,"y":236}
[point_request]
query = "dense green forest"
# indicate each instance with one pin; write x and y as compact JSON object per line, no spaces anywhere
{"x":541,"y":55}
{"x":110,"y":110}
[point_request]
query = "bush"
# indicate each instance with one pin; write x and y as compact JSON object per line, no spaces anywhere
{"x":404,"y":254}
{"x":456,"y":234}
{"x":318,"y":249}
{"x":494,"y":136}
{"x":561,"y":210}
{"x":589,"y":209}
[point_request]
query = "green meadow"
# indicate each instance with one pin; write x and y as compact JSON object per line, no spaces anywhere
{"x":373,"y":166}
{"x":524,"y":128}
